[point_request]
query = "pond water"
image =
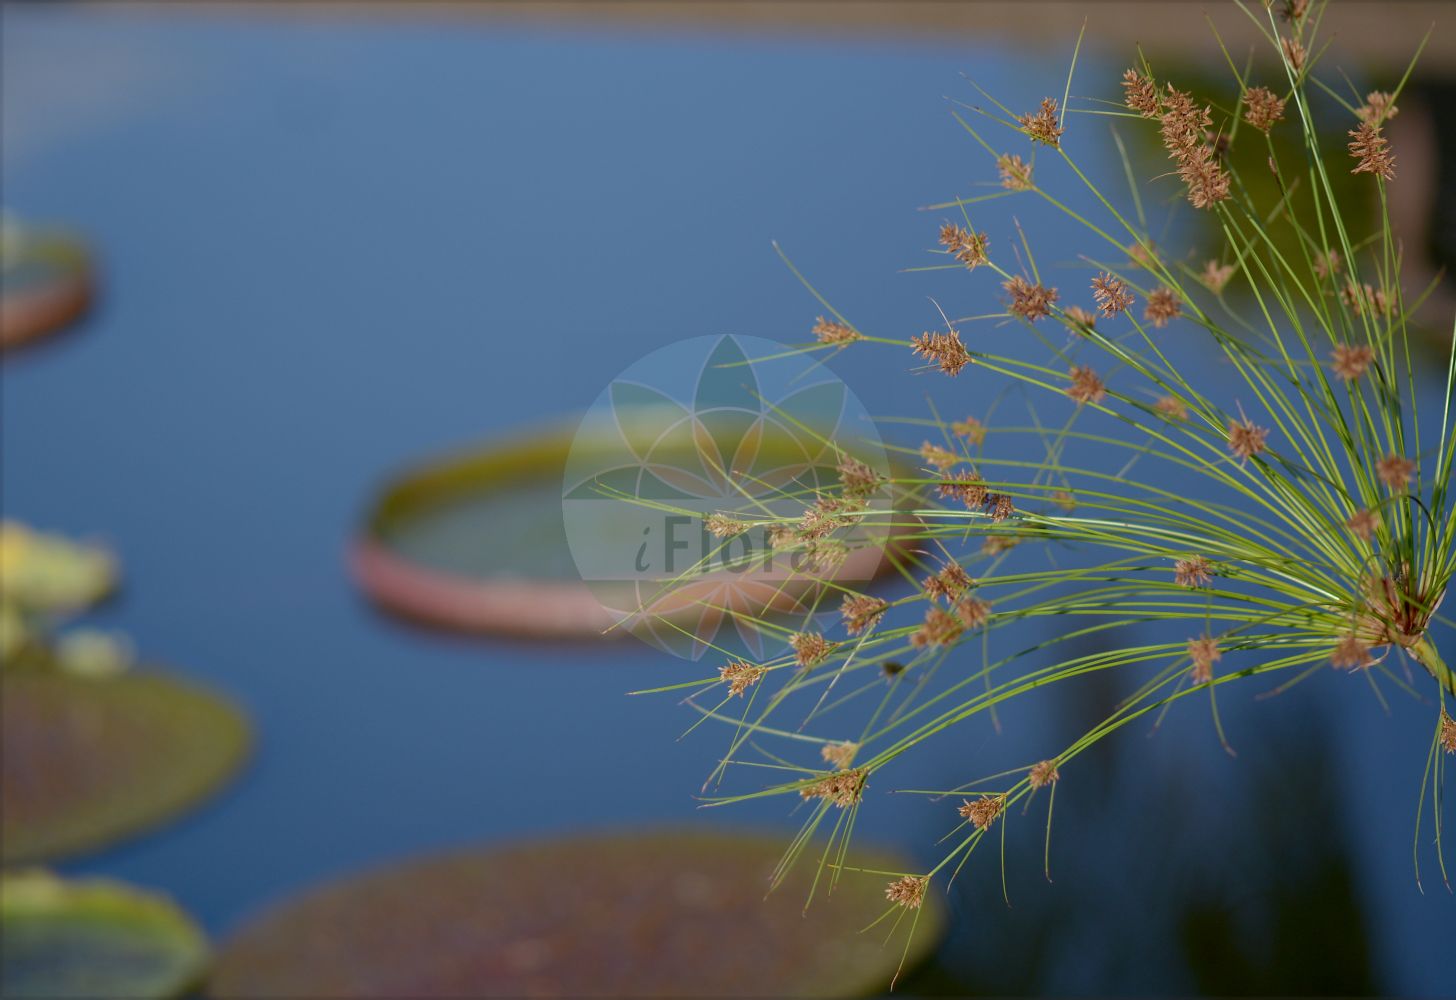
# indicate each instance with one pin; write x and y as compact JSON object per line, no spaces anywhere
{"x":332,"y":246}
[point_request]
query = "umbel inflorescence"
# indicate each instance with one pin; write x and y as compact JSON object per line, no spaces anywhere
{"x":1311,"y":529}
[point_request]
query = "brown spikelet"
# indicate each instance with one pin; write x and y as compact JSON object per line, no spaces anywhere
{"x":1378,"y":108}
{"x":782,"y":535}
{"x":1247,"y":439}
{"x":1163,"y":305}
{"x":1363,"y":523}
{"x":1183,"y":123}
{"x":950,"y":583}
{"x":1395,"y":471}
{"x":945,"y":349}
{"x":974,"y":612}
{"x":1142,"y":253}
{"x":967,"y":487}
{"x":1043,"y":127}
{"x":1262,"y":108}
{"x":1208,"y":183}
{"x":723,"y":526}
{"x":828,"y":331}
{"x":1111,"y":294}
{"x":1215,"y":275}
{"x":857,"y":478}
{"x":1015,"y":172}
{"x":1043,"y":774}
{"x":971,"y":429}
{"x":1029,"y":301}
{"x":1364,"y":298}
{"x":842,"y":788}
{"x":1086,"y":387}
{"x":1172,"y":407}
{"x":1328,"y":263}
{"x":1351,"y":653}
{"x":938,"y":457}
{"x":1293,"y":10}
{"x":1184,"y":128}
{"x":810,"y":648}
{"x":982,"y":812}
{"x":841,"y":755}
{"x":1349,"y":361}
{"x":941,"y":628}
{"x":1140,"y":93}
{"x":1205,"y":653}
{"x":1193,"y":572}
{"x":861,"y":611}
{"x":1002,"y":506}
{"x":820,"y":520}
{"x":1448,"y":732}
{"x":1082,"y":321}
{"x":1371,"y":151}
{"x":968,"y":247}
{"x":740,"y":676}
{"x":908,"y":892}
{"x":1354,"y":297}
{"x":1294,"y":53}
{"x":1064,"y":500}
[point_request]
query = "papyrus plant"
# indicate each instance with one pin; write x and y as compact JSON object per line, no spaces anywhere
{"x":1299,"y":525}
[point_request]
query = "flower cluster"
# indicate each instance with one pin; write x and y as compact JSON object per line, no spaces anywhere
{"x":1293,"y":521}
{"x":1184,"y":124}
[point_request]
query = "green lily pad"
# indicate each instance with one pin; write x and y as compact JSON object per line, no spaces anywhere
{"x":93,"y":938}
{"x":87,"y":761}
{"x":642,"y":914}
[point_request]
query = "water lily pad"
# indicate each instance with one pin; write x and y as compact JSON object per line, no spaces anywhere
{"x":47,"y":281}
{"x":478,"y":542}
{"x":89,"y":760}
{"x":94,"y":938}
{"x":650,"y":914}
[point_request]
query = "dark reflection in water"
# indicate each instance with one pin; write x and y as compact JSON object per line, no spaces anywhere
{"x":1168,"y":880}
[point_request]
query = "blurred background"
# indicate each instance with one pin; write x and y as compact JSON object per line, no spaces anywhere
{"x":329,"y":242}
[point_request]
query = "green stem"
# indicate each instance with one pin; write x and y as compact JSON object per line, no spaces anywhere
{"x":1426,"y":655}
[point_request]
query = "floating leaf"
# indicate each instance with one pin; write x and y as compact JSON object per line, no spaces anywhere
{"x":93,"y":938}
{"x":89,"y":760}
{"x":47,"y":281}
{"x":641,"y":914}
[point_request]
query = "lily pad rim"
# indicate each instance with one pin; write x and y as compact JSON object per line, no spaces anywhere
{"x":513,"y":606}
{"x":36,"y":314}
